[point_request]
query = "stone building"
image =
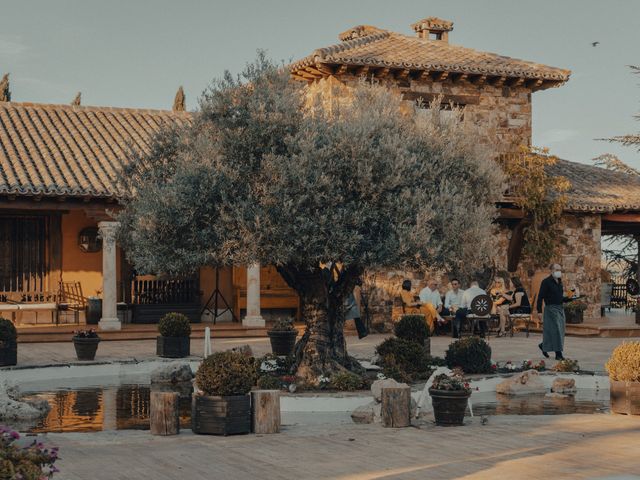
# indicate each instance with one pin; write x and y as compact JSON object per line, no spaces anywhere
{"x":495,"y":92}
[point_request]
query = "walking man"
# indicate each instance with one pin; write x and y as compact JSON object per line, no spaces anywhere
{"x":553,"y":322}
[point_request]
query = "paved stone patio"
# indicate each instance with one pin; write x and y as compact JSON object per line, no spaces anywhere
{"x":591,"y":353}
{"x":507,"y":447}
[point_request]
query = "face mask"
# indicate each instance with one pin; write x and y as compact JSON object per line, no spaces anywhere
{"x":557,"y":274}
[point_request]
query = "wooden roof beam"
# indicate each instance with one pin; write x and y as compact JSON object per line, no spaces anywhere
{"x":342,"y":70}
{"x":621,"y":217}
{"x":314,"y":71}
{"x":440,"y":76}
{"x":402,"y":74}
{"x":362,"y":71}
{"x":325,"y":68}
{"x":479,"y":80}
{"x":515,"y":82}
{"x":498,"y":81}
{"x":382,"y":72}
{"x":459,"y":77}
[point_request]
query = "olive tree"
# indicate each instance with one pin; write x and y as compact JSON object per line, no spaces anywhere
{"x":274,"y":172}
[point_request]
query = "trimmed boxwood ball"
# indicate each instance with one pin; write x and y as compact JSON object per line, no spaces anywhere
{"x":472,"y":354}
{"x":174,"y":325}
{"x":8,"y":332}
{"x":413,"y":328}
{"x":404,"y":360}
{"x":347,"y":381}
{"x":226,"y":373}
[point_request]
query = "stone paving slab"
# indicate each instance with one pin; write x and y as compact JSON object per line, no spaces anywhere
{"x":592,"y":353}
{"x":507,"y":447}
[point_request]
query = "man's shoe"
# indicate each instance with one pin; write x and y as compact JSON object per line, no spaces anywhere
{"x":546,"y":355}
{"x":559,"y":356}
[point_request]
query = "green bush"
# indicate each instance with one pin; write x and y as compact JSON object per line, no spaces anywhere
{"x":226,"y":373}
{"x":413,"y":328}
{"x":174,"y":325}
{"x":403,"y":360}
{"x":346,"y":381}
{"x":8,"y":333}
{"x":472,"y":354}
{"x":269,"y":382}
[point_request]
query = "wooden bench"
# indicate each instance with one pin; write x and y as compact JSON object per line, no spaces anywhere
{"x":18,"y":302}
{"x":269,"y":299}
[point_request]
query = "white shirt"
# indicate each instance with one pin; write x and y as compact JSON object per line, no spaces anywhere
{"x":469,"y":294}
{"x":452,"y":298}
{"x":429,"y":296}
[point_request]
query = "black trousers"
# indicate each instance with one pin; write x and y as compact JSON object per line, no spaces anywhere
{"x":360,"y":327}
{"x":461,"y":315}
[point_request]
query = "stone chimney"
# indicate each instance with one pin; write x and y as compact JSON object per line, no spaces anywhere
{"x":433,"y":28}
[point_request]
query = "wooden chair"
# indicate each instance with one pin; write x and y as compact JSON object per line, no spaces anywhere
{"x":481,"y":307}
{"x":71,"y":300}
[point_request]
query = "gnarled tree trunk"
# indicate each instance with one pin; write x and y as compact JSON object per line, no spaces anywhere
{"x":322,"y":350}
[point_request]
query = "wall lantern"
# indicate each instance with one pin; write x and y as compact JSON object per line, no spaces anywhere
{"x":89,"y":241}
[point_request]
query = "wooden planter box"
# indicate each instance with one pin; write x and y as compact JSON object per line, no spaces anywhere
{"x":86,"y":347}
{"x":625,"y":397}
{"x":173,"y":347}
{"x":221,"y":415}
{"x":282,"y":343}
{"x":449,"y":406}
{"x":574,"y":316}
{"x":8,"y":354}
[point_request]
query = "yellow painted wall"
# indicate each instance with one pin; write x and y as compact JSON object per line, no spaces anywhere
{"x":208,"y":282}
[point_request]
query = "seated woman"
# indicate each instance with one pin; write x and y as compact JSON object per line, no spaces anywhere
{"x":518,"y":302}
{"x":413,"y":305}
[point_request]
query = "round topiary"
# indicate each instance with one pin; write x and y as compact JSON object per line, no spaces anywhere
{"x":472,"y":354}
{"x":624,"y":363}
{"x":226,"y":373}
{"x":8,"y":332}
{"x":404,"y":360}
{"x":347,"y":381}
{"x":174,"y":325}
{"x":413,"y":328}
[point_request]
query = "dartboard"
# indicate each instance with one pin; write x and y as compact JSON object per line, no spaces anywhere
{"x":632,"y":286}
{"x":481,"y":305}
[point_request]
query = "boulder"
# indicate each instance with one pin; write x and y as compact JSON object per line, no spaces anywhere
{"x":364,"y":414}
{"x":525,"y":383}
{"x":378,"y":385}
{"x":13,"y":409}
{"x":174,"y":372}
{"x":564,"y":385}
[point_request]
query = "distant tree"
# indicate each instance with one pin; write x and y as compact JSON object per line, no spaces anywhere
{"x":274,"y":173}
{"x":179,"y":101}
{"x":5,"y":92}
{"x":77,"y":99}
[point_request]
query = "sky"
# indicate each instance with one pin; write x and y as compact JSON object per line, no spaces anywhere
{"x":135,"y":53}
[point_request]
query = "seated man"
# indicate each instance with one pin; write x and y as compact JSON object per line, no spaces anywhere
{"x":453,"y":298}
{"x":467,"y":297}
{"x":412,"y":305}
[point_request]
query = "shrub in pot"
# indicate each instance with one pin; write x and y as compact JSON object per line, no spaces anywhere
{"x":283,"y":337}
{"x":173,"y":341}
{"x":574,"y":311}
{"x":221,"y":404}
{"x":471,"y":354}
{"x":414,"y":328}
{"x":403,"y":360}
{"x":449,"y":397}
{"x":86,"y":344}
{"x":624,"y":377}
{"x":8,"y":343}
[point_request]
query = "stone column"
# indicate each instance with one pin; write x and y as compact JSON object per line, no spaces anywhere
{"x":110,"y":408}
{"x":253,"y":317}
{"x":109,"y":320}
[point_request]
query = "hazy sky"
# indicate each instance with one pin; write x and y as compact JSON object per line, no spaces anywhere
{"x":136,"y":53}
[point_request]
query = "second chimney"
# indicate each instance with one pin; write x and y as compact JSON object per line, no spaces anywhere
{"x":433,"y":28}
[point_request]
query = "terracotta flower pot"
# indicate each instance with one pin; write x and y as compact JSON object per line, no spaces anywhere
{"x":449,"y":406}
{"x":625,"y":397}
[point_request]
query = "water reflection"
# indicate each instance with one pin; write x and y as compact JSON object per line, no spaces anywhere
{"x":585,"y":401}
{"x":93,"y":409}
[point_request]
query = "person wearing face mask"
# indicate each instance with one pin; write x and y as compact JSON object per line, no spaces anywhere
{"x":553,"y":321}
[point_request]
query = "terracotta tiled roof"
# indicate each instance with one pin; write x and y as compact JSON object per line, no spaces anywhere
{"x":365,"y":45}
{"x":72,"y":151}
{"x":596,"y":189}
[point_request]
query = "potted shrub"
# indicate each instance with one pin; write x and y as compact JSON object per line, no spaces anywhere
{"x":283,"y":337}
{"x":174,"y":340}
{"x":574,"y":311}
{"x":471,"y":354}
{"x":414,"y":328}
{"x":449,"y":397}
{"x":624,"y":377}
{"x":8,"y":343}
{"x":221,"y":404}
{"x":86,"y":343}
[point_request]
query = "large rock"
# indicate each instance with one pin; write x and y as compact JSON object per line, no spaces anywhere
{"x":564,"y":385}
{"x":378,"y":385}
{"x":364,"y":413}
{"x":13,"y":409}
{"x":174,"y":372}
{"x":524,"y":383}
